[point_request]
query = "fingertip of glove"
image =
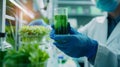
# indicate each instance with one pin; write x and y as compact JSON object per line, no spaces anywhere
{"x":56,"y":44}
{"x":52,"y":34}
{"x":52,"y":26}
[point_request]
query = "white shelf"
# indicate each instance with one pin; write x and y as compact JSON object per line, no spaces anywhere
{"x":76,"y":2}
{"x":13,"y":18}
{"x":9,"y":17}
{"x":90,"y":15}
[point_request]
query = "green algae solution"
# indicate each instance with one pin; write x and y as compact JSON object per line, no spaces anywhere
{"x":61,"y":21}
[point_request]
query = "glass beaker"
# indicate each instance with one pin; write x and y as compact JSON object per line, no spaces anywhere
{"x":61,"y":20}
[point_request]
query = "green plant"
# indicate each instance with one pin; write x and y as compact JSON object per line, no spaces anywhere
{"x":33,"y":33}
{"x":33,"y":30}
{"x":10,"y":35}
{"x":2,"y":54}
{"x":29,"y":55}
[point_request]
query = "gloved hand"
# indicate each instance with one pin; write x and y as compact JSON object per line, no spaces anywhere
{"x":75,"y":44}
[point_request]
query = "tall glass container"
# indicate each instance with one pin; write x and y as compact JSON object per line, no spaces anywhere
{"x":61,"y":20}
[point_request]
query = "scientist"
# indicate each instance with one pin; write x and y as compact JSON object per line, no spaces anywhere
{"x":99,"y":40}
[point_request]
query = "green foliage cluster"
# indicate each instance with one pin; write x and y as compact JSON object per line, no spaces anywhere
{"x":33,"y":33}
{"x":29,"y":55}
{"x":2,"y":54}
{"x":10,"y":35}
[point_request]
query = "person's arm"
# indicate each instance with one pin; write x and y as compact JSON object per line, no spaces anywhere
{"x":85,"y":30}
{"x":79,"y":45}
{"x":118,"y":59}
{"x":105,"y":57}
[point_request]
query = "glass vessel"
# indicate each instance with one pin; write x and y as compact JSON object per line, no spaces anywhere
{"x":61,"y":20}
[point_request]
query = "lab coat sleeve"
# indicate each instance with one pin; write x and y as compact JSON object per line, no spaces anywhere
{"x":106,"y":58}
{"x":118,"y":60}
{"x":86,"y":29}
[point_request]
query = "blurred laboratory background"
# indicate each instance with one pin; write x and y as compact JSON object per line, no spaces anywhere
{"x":80,"y":11}
{"x":14,"y":14}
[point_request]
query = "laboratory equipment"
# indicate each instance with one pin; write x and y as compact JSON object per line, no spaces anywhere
{"x":61,"y":20}
{"x":60,"y":59}
{"x":4,"y":45}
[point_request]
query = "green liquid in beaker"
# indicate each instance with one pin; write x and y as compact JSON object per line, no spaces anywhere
{"x":61,"y":24}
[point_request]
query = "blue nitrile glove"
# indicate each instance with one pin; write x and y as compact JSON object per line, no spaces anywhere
{"x":75,"y":44}
{"x":37,"y":22}
{"x":70,"y":30}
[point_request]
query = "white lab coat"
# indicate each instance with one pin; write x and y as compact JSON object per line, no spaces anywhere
{"x":108,"y":53}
